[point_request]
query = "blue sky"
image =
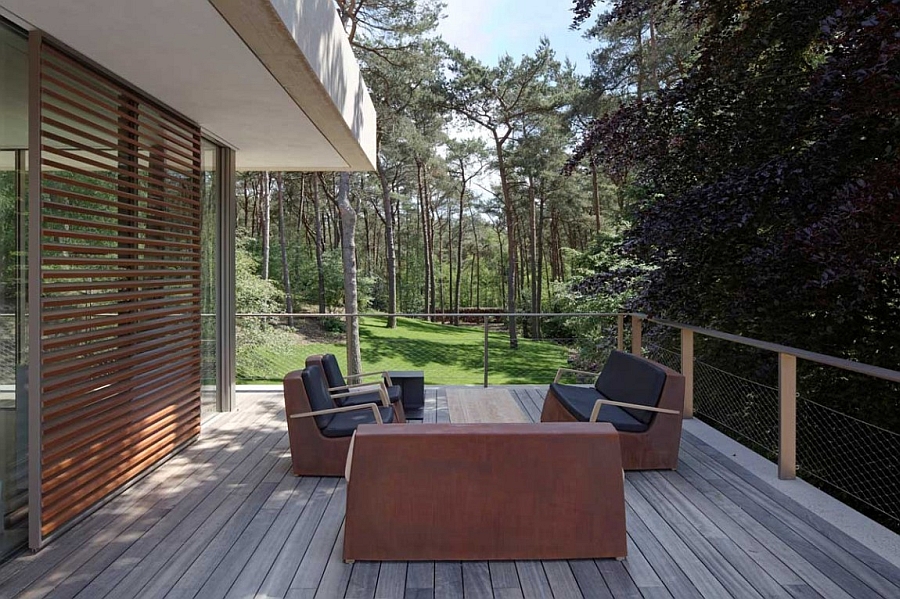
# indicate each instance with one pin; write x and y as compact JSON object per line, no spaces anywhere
{"x":487,"y":29}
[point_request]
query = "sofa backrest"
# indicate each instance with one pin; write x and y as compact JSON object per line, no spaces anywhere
{"x":632,"y":379}
{"x":332,"y":371}
{"x":317,"y":392}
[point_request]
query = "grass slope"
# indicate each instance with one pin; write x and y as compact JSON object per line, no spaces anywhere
{"x":448,"y":355}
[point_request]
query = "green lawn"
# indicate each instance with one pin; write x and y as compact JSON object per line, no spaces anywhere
{"x":448,"y":355}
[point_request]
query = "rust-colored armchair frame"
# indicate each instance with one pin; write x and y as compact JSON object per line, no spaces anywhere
{"x":349,"y":390}
{"x":312,"y":453}
{"x":654,"y":449}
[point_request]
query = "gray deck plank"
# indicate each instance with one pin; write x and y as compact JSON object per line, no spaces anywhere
{"x":589,"y":579}
{"x":312,"y":566}
{"x":337,"y":573}
{"x":391,"y":580}
{"x":849,"y":545}
{"x":281,"y":574}
{"x":218,"y":531}
{"x":476,"y":577}
{"x":226,"y":518}
{"x":671,"y":575}
{"x":533,"y":580}
{"x":223,"y":576}
{"x":504,"y":575}
{"x":192,"y":566}
{"x":802,"y":591}
{"x":190,"y":533}
{"x":154,"y":547}
{"x":442,"y":410}
{"x":735,"y":570}
{"x":700,"y":576}
{"x":74,"y":564}
{"x":363,"y":581}
{"x":508,"y":593}
{"x":782,"y":550}
{"x":561,"y":580}
{"x":617,"y":578}
{"x":419,"y":575}
{"x":429,"y":412}
{"x":639,"y":568}
{"x":857,"y":579}
{"x":448,"y":582}
{"x":246,"y":582}
{"x":761,"y":553}
{"x":524,"y":401}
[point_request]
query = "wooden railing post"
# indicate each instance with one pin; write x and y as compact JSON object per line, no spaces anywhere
{"x":787,"y":416}
{"x":636,"y":335}
{"x":620,"y":333}
{"x":687,"y":369}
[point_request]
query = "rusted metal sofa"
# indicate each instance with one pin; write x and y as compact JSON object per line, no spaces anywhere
{"x":485,"y":492}
{"x":337,"y":384}
{"x":320,"y":432}
{"x":643,"y":400}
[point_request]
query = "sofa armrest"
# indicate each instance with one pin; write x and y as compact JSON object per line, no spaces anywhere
{"x":365,"y":406}
{"x":358,"y":387}
{"x":384,"y":374}
{"x":600,"y":403}
{"x":560,"y":371}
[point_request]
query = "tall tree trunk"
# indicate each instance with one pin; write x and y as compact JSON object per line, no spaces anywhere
{"x":425,"y":217}
{"x":540,"y":258}
{"x":282,"y":238}
{"x":477,"y":268}
{"x":459,"y":243}
{"x":348,"y":253}
{"x":440,"y":269}
{"x":555,"y":267}
{"x":532,"y":262}
{"x":510,"y":245}
{"x":320,"y":246}
{"x":429,"y":233}
{"x":390,"y":255}
{"x":246,"y":205}
{"x":266,"y":224}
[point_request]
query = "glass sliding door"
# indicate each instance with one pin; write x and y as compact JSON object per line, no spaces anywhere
{"x":13,"y":292}
{"x":209,"y":257}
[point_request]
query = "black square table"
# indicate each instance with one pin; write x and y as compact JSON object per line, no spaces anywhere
{"x":412,"y":384}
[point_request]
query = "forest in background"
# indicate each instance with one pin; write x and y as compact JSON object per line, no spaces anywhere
{"x":728,"y":164}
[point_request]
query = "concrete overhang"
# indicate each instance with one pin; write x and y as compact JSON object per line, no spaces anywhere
{"x":275,"y":79}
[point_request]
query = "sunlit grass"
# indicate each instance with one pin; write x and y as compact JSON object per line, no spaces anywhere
{"x":448,"y":355}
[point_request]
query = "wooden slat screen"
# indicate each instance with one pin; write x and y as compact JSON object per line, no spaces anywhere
{"x":120,"y":285}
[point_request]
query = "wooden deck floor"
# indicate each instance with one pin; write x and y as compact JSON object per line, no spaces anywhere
{"x":225,"y":518}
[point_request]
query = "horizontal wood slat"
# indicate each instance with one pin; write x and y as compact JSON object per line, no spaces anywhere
{"x":120,"y":285}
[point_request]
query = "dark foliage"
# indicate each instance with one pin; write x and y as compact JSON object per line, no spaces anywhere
{"x":769,"y":177}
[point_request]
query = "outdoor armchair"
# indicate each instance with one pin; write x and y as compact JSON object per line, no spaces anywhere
{"x":643,"y":400}
{"x":319,"y":431}
{"x":345,"y":394}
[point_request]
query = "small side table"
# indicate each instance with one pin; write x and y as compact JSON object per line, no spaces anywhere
{"x":412,"y":384}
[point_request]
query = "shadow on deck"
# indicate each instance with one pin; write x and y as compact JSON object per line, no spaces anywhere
{"x":226,"y":518}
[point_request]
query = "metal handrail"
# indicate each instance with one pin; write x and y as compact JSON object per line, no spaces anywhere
{"x":842,"y":363}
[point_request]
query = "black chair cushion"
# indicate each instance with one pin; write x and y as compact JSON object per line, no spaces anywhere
{"x":317,"y":392}
{"x":395,"y":393}
{"x":369,"y":397}
{"x":344,"y":423}
{"x":579,"y":401}
{"x":630,"y":379}
{"x":332,"y":371}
